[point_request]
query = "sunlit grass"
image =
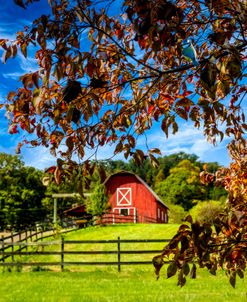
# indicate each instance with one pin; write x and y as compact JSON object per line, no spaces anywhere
{"x":130,"y":231}
{"x":105,"y":283}
{"x":134,"y":284}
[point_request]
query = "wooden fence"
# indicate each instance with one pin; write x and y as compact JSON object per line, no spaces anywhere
{"x":13,"y":249}
{"x":25,"y":238}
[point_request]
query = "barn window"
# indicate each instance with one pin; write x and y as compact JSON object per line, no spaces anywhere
{"x":124,"y":197}
{"x":162,"y":215}
{"x":124,"y":212}
{"x":158,"y":212}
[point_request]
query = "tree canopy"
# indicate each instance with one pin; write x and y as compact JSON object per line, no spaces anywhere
{"x":21,"y":192}
{"x":182,"y":185}
{"x":104,"y":79}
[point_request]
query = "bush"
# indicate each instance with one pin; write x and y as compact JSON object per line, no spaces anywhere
{"x":176,"y":213}
{"x":206,"y":211}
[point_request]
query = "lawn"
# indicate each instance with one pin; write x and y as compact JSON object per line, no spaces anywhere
{"x":133,"y":283}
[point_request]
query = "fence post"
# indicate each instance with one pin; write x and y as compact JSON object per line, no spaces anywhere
{"x":118,"y":254}
{"x":62,"y":254}
{"x":42,"y":230}
{"x":19,"y":236}
{"x":12,"y":246}
{"x":26,"y":238}
{"x":3,"y":248}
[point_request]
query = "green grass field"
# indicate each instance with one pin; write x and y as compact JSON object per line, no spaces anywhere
{"x":133,"y":283}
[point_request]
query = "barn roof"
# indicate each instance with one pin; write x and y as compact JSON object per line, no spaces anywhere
{"x":141,"y":180}
{"x":75,"y":211}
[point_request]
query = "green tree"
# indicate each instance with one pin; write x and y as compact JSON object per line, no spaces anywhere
{"x":176,"y":213}
{"x":98,"y":203}
{"x":182,"y":185}
{"x":21,"y":192}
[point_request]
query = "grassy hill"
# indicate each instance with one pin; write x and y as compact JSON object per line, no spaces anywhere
{"x":103,"y":284}
{"x":110,"y":232}
{"x":125,"y":231}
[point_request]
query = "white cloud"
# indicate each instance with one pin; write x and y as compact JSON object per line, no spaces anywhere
{"x":5,"y":34}
{"x":12,"y":75}
{"x":189,"y":140}
{"x":28,"y":64}
{"x":38,"y":157}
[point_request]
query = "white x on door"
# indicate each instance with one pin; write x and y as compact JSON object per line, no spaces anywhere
{"x":124,"y":197}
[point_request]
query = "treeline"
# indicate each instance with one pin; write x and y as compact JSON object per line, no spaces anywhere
{"x":24,"y":200}
{"x":177,"y":182}
{"x":21,"y":194}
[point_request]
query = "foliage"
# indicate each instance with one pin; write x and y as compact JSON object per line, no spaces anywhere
{"x":79,"y":96}
{"x":176,"y":213}
{"x":98,"y":203}
{"x":182,"y":185}
{"x":206,"y":211}
{"x":21,"y":192}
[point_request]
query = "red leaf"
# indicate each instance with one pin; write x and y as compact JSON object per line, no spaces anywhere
{"x":167,"y":96}
{"x":182,"y":113}
{"x":151,"y":108}
{"x":187,"y":93}
{"x":35,"y":78}
{"x":89,"y":69}
{"x":51,"y":169}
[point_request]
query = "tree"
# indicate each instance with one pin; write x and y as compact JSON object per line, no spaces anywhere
{"x":21,"y":192}
{"x":79,"y":95}
{"x":182,"y":185}
{"x":98,"y":203}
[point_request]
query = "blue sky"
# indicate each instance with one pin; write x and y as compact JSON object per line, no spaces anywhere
{"x":13,"y":19}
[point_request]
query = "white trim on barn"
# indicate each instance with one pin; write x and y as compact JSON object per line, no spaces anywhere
{"x":125,"y":208}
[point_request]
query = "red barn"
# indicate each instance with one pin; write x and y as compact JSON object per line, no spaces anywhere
{"x":132,"y":200}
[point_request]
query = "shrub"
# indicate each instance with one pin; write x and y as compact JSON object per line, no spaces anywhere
{"x":176,"y":213}
{"x":206,"y":211}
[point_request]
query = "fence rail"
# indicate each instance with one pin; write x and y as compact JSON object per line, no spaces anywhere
{"x":24,"y":239}
{"x":8,"y":251}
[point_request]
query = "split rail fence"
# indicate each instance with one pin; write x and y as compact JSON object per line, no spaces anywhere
{"x":10,"y":250}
